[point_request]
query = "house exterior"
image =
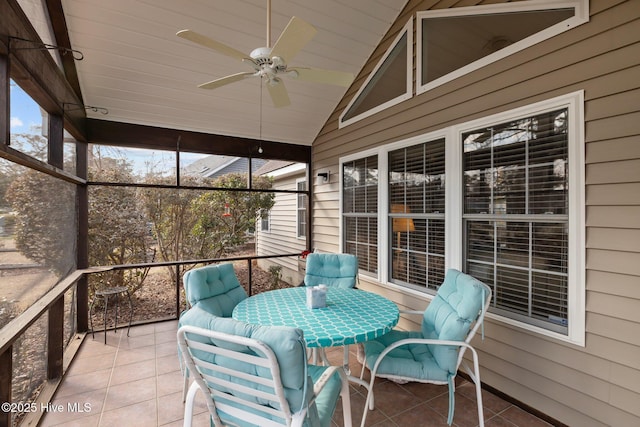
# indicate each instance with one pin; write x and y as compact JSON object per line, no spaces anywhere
{"x":215,"y":166}
{"x":284,"y":228}
{"x":555,"y":233}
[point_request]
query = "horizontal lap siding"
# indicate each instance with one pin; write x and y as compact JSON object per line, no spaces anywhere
{"x":282,"y":235}
{"x":599,"y":384}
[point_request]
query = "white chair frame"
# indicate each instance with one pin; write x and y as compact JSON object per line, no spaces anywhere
{"x":269,"y":360}
{"x":464,"y":345}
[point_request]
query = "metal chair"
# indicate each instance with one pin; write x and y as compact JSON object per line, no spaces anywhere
{"x":434,"y":354}
{"x":237,"y":367}
{"x":216,"y":290}
{"x":339,"y":270}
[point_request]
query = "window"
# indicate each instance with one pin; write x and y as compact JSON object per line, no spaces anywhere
{"x":510,"y":212}
{"x":456,"y":41}
{"x":516,"y":214}
{"x":265,"y":220}
{"x":417,"y":214}
{"x":360,"y":211}
{"x":301,"y":201}
{"x":390,"y":83}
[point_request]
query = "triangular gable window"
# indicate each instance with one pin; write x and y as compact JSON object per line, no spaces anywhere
{"x":454,"y":42}
{"x":390,"y":83}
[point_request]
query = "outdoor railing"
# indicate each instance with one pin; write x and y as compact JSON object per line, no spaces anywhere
{"x":58,"y":357}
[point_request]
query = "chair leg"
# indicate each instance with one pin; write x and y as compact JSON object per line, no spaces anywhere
{"x":452,"y":399}
{"x":185,"y":385}
{"x":345,"y":395}
{"x":188,"y":407}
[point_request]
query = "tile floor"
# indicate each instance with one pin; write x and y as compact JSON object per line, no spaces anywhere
{"x":136,"y":381}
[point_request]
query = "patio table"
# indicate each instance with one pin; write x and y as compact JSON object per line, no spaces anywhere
{"x":351,"y":316}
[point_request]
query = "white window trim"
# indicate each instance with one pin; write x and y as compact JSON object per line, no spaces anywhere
{"x":581,"y":16}
{"x":408,"y":30}
{"x":268,"y":230}
{"x":574,"y":102}
{"x":454,"y":206}
{"x":298,"y":181}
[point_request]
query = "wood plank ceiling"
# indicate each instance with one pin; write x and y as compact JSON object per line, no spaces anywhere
{"x":136,"y":67}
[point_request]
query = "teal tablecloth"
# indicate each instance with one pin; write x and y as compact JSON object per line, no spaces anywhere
{"x":351,"y":315}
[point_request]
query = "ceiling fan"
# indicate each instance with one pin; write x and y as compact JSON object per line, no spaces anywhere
{"x":270,"y":63}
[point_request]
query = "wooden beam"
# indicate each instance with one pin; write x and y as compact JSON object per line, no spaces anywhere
{"x":55,"y":339}
{"x":156,"y":138}
{"x":56,"y":142}
{"x":61,"y":34}
{"x":6,"y":372}
{"x":4,"y":100}
{"x":35,"y":71}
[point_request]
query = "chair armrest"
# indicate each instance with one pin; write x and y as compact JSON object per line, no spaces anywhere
{"x":324,"y":378}
{"x":408,"y":341}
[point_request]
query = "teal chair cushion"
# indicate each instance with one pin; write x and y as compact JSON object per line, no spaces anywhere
{"x":339,"y":270}
{"x":449,"y":316}
{"x":411,"y":361}
{"x":215,"y":288}
{"x":288,"y":346}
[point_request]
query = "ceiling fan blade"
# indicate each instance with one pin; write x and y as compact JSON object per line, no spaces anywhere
{"x":212,"y":44}
{"x":317,"y":75}
{"x":295,"y":36}
{"x":225,"y":80}
{"x":278,"y":93}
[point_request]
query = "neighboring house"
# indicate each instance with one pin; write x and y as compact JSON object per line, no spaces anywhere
{"x":511,"y":153}
{"x":215,"y":166}
{"x":284,"y":228}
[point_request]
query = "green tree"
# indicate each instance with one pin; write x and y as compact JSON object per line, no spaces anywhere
{"x":225,"y":218}
{"x":118,"y":233}
{"x":46,"y":226}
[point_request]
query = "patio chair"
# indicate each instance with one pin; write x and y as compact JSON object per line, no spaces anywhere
{"x":339,"y":270}
{"x":434,"y":354}
{"x":216,"y":290}
{"x":253,"y":375}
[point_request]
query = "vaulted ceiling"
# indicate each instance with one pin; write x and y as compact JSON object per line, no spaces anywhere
{"x":138,"y":69}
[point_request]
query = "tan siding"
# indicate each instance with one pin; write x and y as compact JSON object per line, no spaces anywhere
{"x":613,"y":283}
{"x":614,"y":239}
{"x":615,"y":262}
{"x":617,"y":194}
{"x":622,"y":171}
{"x":613,"y":216}
{"x":592,"y":386}
{"x":613,"y":149}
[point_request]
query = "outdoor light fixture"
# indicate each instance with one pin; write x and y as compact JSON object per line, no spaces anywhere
{"x":322,"y":178}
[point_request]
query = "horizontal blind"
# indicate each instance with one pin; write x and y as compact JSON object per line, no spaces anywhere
{"x":416,"y":214}
{"x":515,"y":215}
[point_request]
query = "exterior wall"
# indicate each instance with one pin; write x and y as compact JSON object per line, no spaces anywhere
{"x":282,"y":235}
{"x":598,"y":384}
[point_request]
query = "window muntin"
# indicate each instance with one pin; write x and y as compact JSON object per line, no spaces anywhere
{"x":417,"y":214}
{"x":360,"y":211}
{"x":301,"y":209}
{"x":516,"y":215}
{"x":390,"y":83}
{"x":456,"y":41}
{"x":523,"y":235}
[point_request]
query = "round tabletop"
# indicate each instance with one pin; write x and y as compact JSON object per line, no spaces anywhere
{"x":350,"y":316}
